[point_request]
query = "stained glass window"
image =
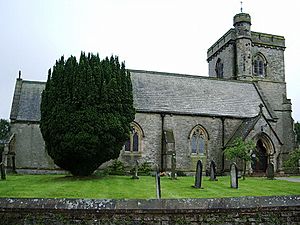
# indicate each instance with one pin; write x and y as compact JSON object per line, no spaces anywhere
{"x":134,"y":143}
{"x":259,"y":66}
{"x":198,"y":140}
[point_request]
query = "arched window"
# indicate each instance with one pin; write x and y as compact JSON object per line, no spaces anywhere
{"x":219,"y":68}
{"x":134,"y":144}
{"x":198,"y":140}
{"x":259,"y":65}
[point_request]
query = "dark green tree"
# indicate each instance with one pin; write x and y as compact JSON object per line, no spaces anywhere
{"x":86,"y":110}
{"x":4,"y":133}
{"x":297,"y":130}
{"x":240,"y":150}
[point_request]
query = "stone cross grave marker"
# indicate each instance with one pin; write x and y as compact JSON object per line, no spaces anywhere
{"x":212,"y":168}
{"x":234,"y":182}
{"x":198,"y":175}
{"x":270,"y":171}
{"x":136,"y":168}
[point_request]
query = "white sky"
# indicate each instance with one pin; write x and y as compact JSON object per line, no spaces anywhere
{"x":157,"y":35}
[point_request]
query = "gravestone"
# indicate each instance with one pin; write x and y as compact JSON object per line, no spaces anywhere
{"x":212,"y":169}
{"x":234,"y":182}
{"x":158,"y":190}
{"x":198,"y":175}
{"x":136,"y":168}
{"x":173,"y":167}
{"x":270,"y":171}
{"x":2,"y":170}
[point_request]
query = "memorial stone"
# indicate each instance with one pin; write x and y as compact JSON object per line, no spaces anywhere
{"x":198,"y":175}
{"x":173,"y":167}
{"x":136,"y":168}
{"x":234,"y":182}
{"x":158,"y":190}
{"x":3,"y":172}
{"x":270,"y":171}
{"x":213,"y":176}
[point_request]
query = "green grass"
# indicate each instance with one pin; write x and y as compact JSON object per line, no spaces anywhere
{"x":122,"y":187}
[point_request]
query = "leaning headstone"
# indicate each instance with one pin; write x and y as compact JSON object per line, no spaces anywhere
{"x":198,"y":175}
{"x":3,"y":174}
{"x":212,"y":169}
{"x":234,"y":182}
{"x":270,"y":171}
{"x":158,"y":190}
{"x":173,"y":167}
{"x":136,"y":168}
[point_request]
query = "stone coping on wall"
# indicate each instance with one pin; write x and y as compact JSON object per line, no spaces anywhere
{"x":140,"y":205}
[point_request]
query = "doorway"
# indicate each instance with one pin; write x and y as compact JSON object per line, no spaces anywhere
{"x":260,"y":157}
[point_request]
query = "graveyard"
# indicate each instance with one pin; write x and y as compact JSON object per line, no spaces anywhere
{"x":124,"y":187}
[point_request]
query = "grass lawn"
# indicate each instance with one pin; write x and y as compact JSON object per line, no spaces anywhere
{"x":122,"y":187}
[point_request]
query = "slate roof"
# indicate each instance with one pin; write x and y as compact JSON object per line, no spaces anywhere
{"x":186,"y":94}
{"x":162,"y":92}
{"x":26,"y":101}
{"x":243,"y":130}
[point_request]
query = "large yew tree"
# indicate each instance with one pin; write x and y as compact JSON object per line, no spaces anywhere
{"x":86,"y":110}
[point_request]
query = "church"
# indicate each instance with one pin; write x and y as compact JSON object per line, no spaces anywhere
{"x":183,"y":118}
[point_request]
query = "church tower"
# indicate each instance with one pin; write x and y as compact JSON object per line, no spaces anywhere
{"x":243,"y":44}
{"x":242,"y":54}
{"x":258,"y":58}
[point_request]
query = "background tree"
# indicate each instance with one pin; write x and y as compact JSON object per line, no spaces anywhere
{"x":297,"y":130}
{"x":86,"y":110}
{"x":240,"y":150}
{"x":4,"y":133}
{"x":293,"y":159}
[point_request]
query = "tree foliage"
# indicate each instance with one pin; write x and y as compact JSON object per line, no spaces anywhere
{"x":86,"y":110}
{"x":293,"y":159}
{"x":4,"y":129}
{"x":4,"y":133}
{"x":240,"y":150}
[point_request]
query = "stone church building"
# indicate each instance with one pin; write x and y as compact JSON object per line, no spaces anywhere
{"x":190,"y":117}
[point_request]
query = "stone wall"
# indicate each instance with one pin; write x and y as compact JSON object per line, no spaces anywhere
{"x":226,"y":54}
{"x":30,"y":147}
{"x":244,"y":210}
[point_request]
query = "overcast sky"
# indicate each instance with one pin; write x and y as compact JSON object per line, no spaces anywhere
{"x":156,"y":35}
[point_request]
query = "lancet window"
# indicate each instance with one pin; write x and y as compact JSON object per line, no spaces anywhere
{"x":198,"y":140}
{"x":259,"y":65}
{"x":219,"y":68}
{"x":134,"y":144}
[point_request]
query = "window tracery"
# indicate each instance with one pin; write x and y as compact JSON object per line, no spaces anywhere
{"x":134,"y":144}
{"x":259,"y":65}
{"x":198,"y":141}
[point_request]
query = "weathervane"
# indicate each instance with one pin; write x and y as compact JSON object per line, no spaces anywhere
{"x":241,"y":7}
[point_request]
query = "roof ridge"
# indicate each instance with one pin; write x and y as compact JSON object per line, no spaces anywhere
{"x":189,"y":76}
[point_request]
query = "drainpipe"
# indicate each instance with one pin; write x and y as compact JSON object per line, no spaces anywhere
{"x":162,"y":115}
{"x":223,"y":143}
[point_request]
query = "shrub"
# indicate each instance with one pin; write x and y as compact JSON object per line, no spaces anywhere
{"x":116,"y":168}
